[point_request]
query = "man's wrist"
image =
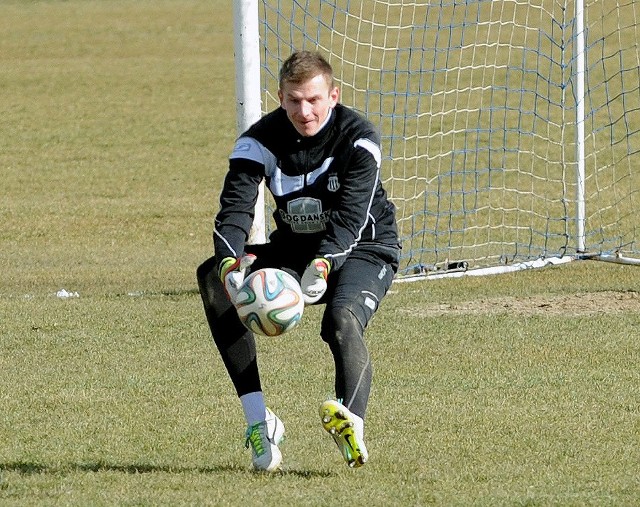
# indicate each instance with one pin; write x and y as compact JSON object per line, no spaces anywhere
{"x":226,"y":266}
{"x":322,"y":264}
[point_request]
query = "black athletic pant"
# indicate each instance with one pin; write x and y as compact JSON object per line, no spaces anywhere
{"x":353,"y":295}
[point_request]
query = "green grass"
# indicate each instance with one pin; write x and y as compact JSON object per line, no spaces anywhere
{"x":518,"y":389}
{"x":123,"y":400}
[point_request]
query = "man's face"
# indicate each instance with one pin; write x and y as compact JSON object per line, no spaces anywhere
{"x":308,"y":104}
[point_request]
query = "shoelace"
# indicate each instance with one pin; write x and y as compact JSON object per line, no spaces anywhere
{"x":254,"y":438}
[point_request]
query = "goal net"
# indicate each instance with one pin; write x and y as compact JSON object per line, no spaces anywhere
{"x":510,"y":129}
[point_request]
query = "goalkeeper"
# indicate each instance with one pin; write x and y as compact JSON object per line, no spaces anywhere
{"x":335,"y":231}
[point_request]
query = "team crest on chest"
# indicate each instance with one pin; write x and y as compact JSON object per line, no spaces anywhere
{"x":333,"y":184}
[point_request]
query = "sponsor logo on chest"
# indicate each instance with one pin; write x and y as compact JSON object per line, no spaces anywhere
{"x":305,"y":215}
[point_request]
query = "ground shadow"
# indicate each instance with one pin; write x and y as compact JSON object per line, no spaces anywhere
{"x":31,"y":468}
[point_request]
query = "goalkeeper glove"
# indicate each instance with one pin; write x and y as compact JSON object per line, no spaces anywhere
{"x":231,"y":273}
{"x":314,"y":280}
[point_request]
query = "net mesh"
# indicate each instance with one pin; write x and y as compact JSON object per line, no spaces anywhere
{"x":476,"y":105}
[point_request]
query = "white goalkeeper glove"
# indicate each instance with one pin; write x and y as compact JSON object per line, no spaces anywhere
{"x":231,"y":273}
{"x":314,"y":280}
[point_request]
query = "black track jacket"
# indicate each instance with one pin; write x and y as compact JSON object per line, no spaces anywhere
{"x":327,"y":189}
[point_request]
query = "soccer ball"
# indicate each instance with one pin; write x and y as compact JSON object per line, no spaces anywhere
{"x":270,"y":302}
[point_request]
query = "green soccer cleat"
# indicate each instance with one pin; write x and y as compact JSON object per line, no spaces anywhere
{"x":263,"y":438}
{"x":347,"y":431}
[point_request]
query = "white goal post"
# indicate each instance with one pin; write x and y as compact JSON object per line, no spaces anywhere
{"x":510,"y":128}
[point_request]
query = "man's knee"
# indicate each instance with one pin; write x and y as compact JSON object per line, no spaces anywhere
{"x":210,"y":286}
{"x":206,"y":270}
{"x":221,"y":315}
{"x":338,"y":323}
{"x":206,"y":274}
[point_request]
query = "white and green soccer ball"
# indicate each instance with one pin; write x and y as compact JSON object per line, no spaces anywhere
{"x":270,"y":302}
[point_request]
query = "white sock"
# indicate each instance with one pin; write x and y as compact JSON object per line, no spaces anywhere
{"x":255,"y":410}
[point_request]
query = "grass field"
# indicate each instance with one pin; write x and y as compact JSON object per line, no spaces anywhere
{"x":117,"y":119}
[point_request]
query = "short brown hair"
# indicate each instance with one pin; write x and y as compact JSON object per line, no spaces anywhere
{"x":304,"y":65}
